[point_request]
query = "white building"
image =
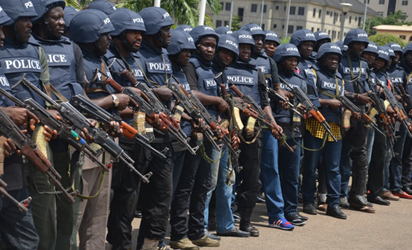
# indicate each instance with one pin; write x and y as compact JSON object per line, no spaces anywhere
{"x":386,"y":7}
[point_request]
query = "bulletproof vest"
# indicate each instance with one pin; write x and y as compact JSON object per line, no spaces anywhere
{"x":305,"y":70}
{"x":264,"y":65}
{"x":205,"y":81}
{"x":408,"y":79}
{"x":396,"y":74}
{"x":19,"y":60}
{"x":285,"y":116}
{"x":4,"y":84}
{"x":245,"y":77}
{"x":155,"y":64}
{"x":381,"y":78}
{"x":62,"y":66}
{"x":326,"y":85}
{"x":357,"y":69}
{"x":372,"y":77}
{"x":181,"y":77}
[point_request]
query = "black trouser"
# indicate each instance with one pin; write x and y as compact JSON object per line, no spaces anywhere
{"x":125,"y":187}
{"x":250,"y":158}
{"x":190,"y":194}
{"x":156,"y":195}
{"x":407,"y":163}
{"x":376,"y":178}
{"x":357,"y":138}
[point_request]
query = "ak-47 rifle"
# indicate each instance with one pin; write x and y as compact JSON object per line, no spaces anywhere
{"x":397,"y":107}
{"x":381,"y":110}
{"x":29,"y":149}
{"x":407,"y":100}
{"x":154,"y":109}
{"x":79,"y":122}
{"x":353,"y":108}
{"x":22,"y":205}
{"x":101,"y":115}
{"x":310,"y":107}
{"x":63,"y":129}
{"x":221,"y":133}
{"x":250,"y":108}
{"x":273,"y":94}
{"x":191,"y":110}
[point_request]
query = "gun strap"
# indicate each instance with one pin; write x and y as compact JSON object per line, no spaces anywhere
{"x":2,"y":156}
{"x":325,"y":138}
{"x":352,"y":74}
{"x":84,"y":197}
{"x":254,"y":138}
{"x":329,"y":94}
{"x":57,"y":93}
{"x":207,"y":158}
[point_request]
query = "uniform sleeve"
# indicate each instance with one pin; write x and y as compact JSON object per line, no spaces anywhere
{"x":274,"y":71}
{"x":191,"y":76}
{"x":79,"y":64}
{"x":263,"y":90}
{"x":45,"y":75}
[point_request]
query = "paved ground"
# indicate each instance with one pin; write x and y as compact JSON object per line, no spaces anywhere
{"x":389,"y":228}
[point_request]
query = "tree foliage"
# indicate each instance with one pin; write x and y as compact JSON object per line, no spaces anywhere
{"x":397,"y":18}
{"x":285,"y":40}
{"x":382,"y":39}
{"x":236,"y":23}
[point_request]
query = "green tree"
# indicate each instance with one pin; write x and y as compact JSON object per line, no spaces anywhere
{"x":382,"y":39}
{"x":78,"y":4}
{"x":285,"y":40}
{"x":236,"y":23}
{"x":397,"y":18}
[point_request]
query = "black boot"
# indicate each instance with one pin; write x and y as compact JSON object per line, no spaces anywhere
{"x":245,"y":222}
{"x":357,"y":199}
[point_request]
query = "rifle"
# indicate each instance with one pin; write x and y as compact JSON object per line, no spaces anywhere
{"x":400,"y":112}
{"x":353,"y":108}
{"x":101,"y":115}
{"x":63,"y":129}
{"x":405,"y":97}
{"x":29,"y":149}
{"x":21,"y":205}
{"x":310,"y":107}
{"x":79,"y":121}
{"x":273,"y":94}
{"x":249,"y":107}
{"x":213,"y":124}
{"x":192,"y":111}
{"x":154,"y":109}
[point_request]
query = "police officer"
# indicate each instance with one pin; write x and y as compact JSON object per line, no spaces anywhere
{"x":17,"y":228}
{"x":126,"y":39}
{"x":227,"y":51}
{"x":406,"y":63}
{"x":105,"y":6}
{"x":286,"y":57}
{"x":195,"y":178}
{"x":249,"y":79}
{"x":353,"y":67}
{"x":223,"y":30}
{"x":90,"y":29}
{"x":69,"y":13}
{"x":271,"y":43}
{"x":65,"y":61}
{"x":321,"y":38}
{"x":330,"y":86}
{"x":156,"y":68}
{"x":184,"y":27}
{"x":21,"y":54}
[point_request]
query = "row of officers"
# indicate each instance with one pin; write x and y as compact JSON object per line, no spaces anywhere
{"x":169,"y":117}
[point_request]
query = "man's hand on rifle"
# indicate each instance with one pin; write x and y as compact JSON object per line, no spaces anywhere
{"x":9,"y":148}
{"x":334,"y":104}
{"x":20,"y":116}
{"x":287,"y":95}
{"x":234,"y":140}
{"x":302,"y":109}
{"x":277,"y":130}
{"x":164,"y":93}
{"x":124,"y":101}
{"x":223,"y":107}
{"x":364,"y":99}
{"x":355,"y":116}
{"x":114,"y":130}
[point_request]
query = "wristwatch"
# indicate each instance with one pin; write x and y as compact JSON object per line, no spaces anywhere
{"x":115,"y":100}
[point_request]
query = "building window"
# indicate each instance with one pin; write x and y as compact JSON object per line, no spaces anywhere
{"x":359,"y":21}
{"x":405,"y":2}
{"x":240,"y":13}
{"x":299,"y":27}
{"x":218,"y":23}
{"x":301,"y":11}
{"x":314,"y":13}
{"x":226,"y":23}
{"x":275,"y":26}
{"x":320,"y":13}
{"x":277,"y":7}
{"x":290,"y":29}
{"x":335,"y":17}
{"x":381,"y":2}
{"x":283,"y":27}
{"x":402,"y":37}
{"x":331,"y":13}
{"x":222,"y":5}
{"x":317,"y":29}
{"x":356,"y":18}
{"x":329,"y":32}
{"x":253,"y":8}
{"x":350,"y":19}
{"x":264,"y":8}
{"x":327,"y":12}
{"x":312,"y":29}
{"x":228,"y":6}
{"x":263,"y":26}
{"x":333,"y":35}
{"x":292,"y":10}
{"x":380,"y":13}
